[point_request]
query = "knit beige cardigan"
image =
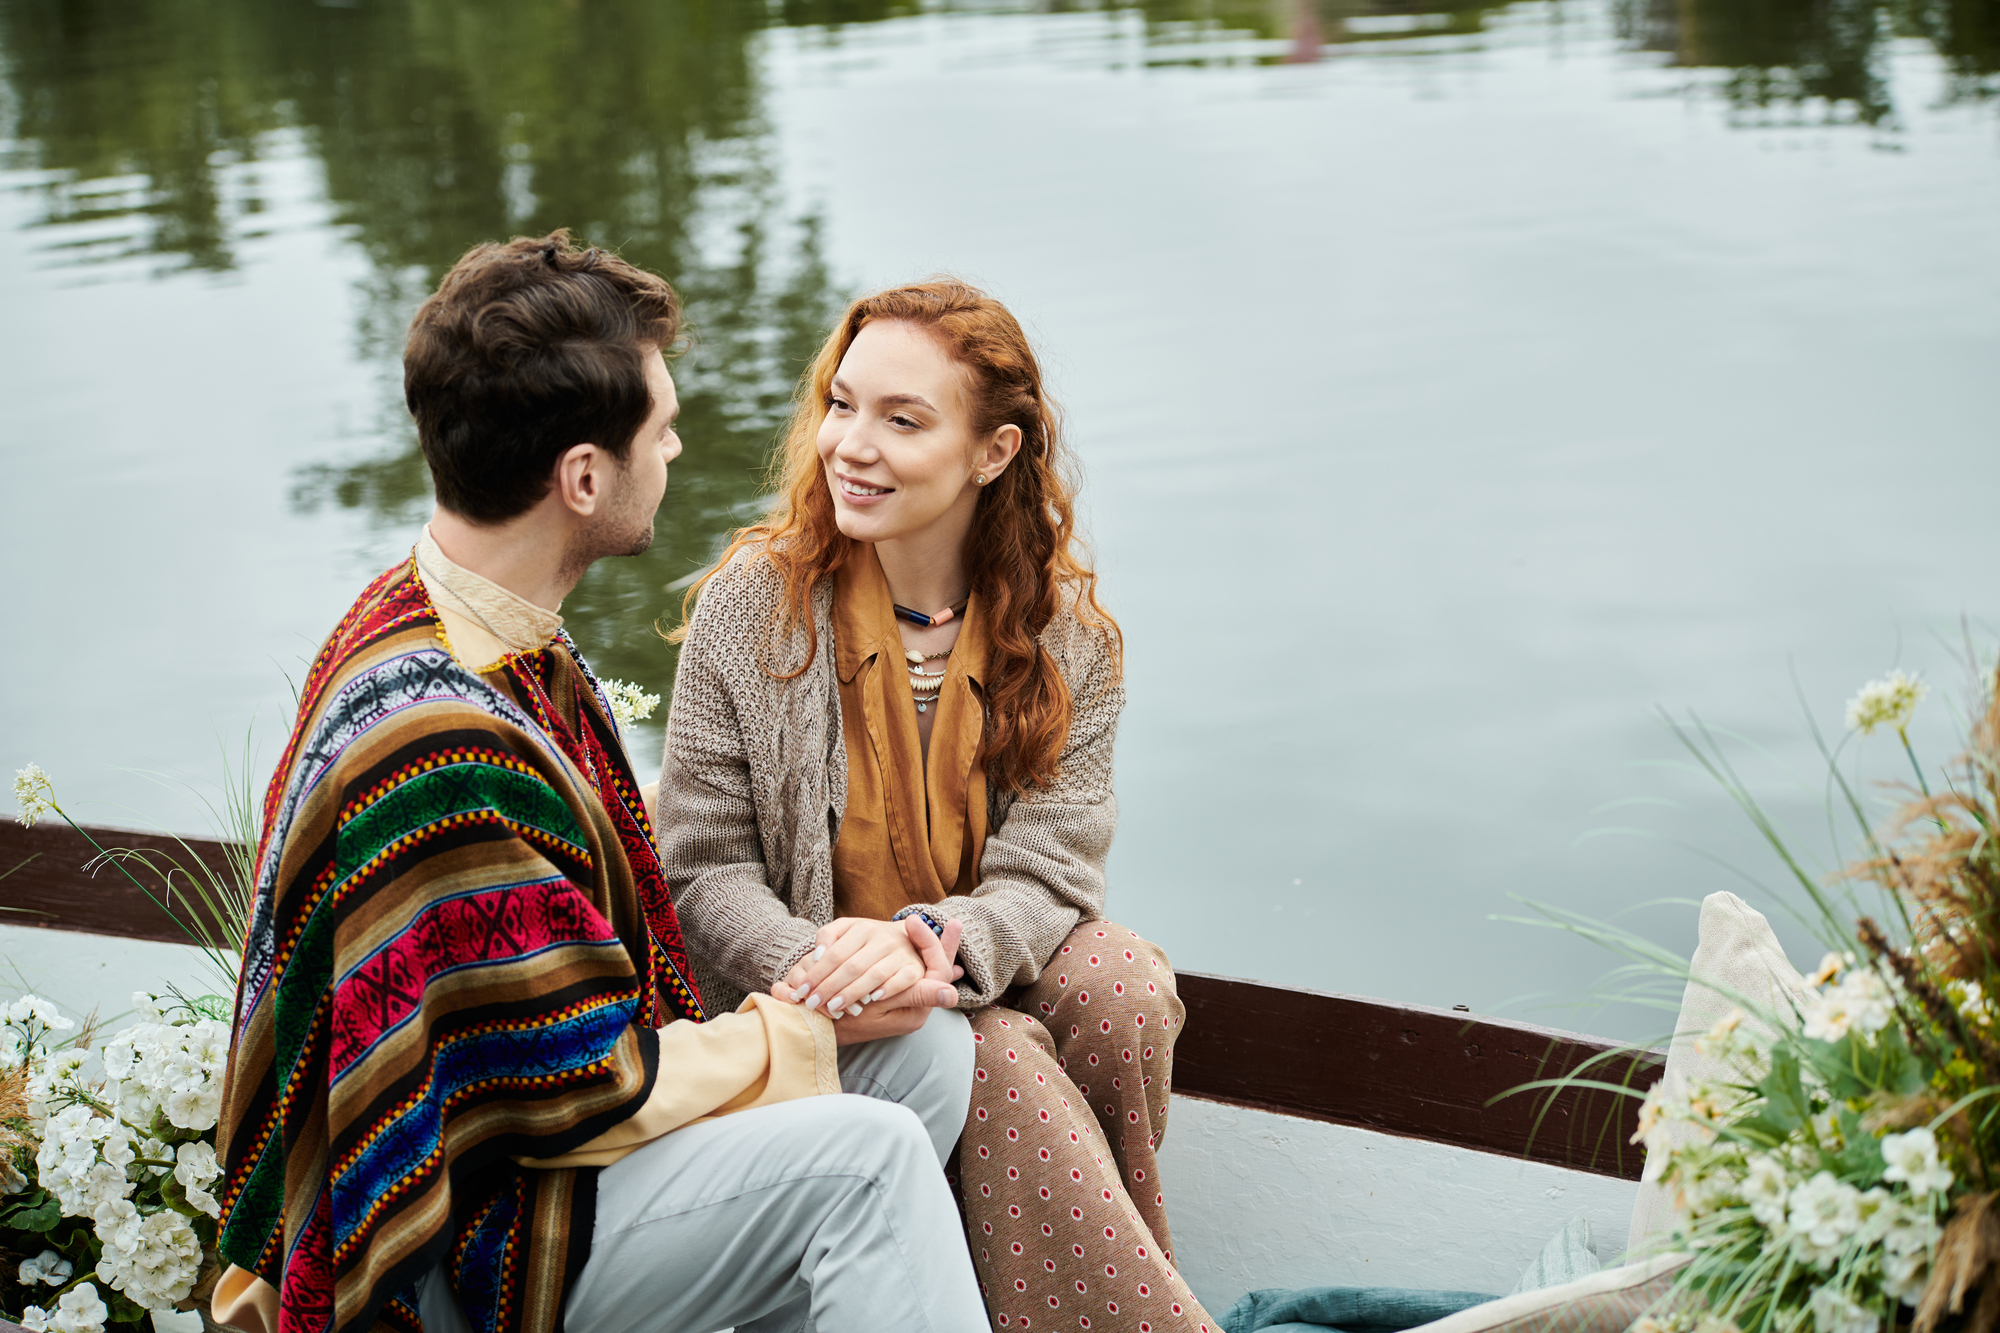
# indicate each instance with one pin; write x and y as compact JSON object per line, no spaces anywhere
{"x":753,"y":787}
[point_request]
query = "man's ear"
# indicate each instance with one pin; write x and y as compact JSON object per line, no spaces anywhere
{"x":580,"y":478}
{"x":998,"y":452}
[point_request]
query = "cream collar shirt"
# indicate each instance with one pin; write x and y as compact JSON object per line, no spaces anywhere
{"x":483,"y":622}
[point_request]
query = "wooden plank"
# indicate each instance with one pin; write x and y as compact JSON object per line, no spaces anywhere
{"x":53,"y":886}
{"x":1421,"y":1073}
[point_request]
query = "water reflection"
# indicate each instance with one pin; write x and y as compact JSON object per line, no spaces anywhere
{"x":1790,"y":55}
{"x":148,"y":129}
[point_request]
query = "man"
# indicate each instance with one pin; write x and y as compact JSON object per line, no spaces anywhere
{"x":470,"y":1083}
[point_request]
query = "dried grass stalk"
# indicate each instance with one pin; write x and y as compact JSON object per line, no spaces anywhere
{"x":13,"y":1107}
{"x":1968,"y":1259}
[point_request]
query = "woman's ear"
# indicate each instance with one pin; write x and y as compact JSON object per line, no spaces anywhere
{"x":998,"y":451}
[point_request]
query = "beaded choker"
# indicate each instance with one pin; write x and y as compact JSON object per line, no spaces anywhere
{"x":919,"y":618}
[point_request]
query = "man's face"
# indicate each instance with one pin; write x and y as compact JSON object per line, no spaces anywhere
{"x":626,"y":527}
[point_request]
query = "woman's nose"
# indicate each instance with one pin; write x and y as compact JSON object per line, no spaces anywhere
{"x":857,"y":446}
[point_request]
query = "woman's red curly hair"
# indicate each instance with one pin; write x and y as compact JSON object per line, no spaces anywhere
{"x":1024,"y":553}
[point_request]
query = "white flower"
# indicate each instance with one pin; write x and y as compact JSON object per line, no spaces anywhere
{"x":12,"y":1181}
{"x":146,"y":1006}
{"x":1835,"y":1312}
{"x":1822,"y":1214}
{"x":34,"y":792}
{"x":629,"y":703}
{"x":154,"y":1259}
{"x":1907,"y":1247}
{"x":1721,"y":1040}
{"x":196,"y":1169}
{"x":48,"y":1268}
{"x":1891,"y":699}
{"x":79,"y":1311}
{"x":1913,"y":1159}
{"x":34,"y":1009}
{"x":1654,"y":1113}
{"x":1702,"y":1192}
{"x":1860,"y":1001}
{"x":1974,"y":1004}
{"x":1766,"y":1187}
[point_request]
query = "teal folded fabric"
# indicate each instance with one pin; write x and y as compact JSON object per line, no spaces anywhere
{"x":1346,"y":1309}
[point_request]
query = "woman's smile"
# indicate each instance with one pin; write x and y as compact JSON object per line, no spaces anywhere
{"x":855,"y":491}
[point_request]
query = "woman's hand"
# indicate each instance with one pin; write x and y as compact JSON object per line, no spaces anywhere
{"x":857,"y":961}
{"x":906,"y":994}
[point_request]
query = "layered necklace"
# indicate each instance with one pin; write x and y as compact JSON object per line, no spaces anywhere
{"x":924,"y":688}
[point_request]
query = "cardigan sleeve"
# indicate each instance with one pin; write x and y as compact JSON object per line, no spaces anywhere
{"x":1043,"y":867}
{"x":710,"y":847}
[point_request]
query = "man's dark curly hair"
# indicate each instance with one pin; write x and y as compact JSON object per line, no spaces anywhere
{"x":525,"y":350}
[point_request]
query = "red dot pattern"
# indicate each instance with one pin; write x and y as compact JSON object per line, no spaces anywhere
{"x":1067,"y":1182}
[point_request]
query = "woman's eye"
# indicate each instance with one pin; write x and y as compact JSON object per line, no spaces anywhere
{"x":903,"y":421}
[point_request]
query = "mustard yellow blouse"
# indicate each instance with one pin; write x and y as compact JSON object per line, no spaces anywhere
{"x":913,"y":831}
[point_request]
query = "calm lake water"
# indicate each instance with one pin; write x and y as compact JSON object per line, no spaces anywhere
{"x":1450,"y":403}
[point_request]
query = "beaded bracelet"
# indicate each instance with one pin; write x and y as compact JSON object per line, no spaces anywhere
{"x":937,"y":927}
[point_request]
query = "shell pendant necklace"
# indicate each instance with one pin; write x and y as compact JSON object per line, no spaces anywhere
{"x":924,"y":688}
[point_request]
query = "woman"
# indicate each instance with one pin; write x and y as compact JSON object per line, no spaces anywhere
{"x":896,"y":699}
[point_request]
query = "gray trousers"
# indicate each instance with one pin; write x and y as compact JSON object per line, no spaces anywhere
{"x":829,"y":1214}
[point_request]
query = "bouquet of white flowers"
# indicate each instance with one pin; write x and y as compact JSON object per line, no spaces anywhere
{"x":1839,"y":1170}
{"x":1802,"y":1202}
{"x":107,"y":1163}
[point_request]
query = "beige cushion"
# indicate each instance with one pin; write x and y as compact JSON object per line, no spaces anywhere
{"x":1737,"y":956}
{"x":1604,"y":1302}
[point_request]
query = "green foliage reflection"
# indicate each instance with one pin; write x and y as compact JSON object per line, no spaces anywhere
{"x":155,"y":130}
{"x":437,"y":124}
{"x":1786,"y":56}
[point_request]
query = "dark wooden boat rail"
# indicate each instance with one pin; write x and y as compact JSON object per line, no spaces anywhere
{"x":1430,"y":1074}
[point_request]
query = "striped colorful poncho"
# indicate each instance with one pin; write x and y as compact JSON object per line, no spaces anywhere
{"x":460,"y":947}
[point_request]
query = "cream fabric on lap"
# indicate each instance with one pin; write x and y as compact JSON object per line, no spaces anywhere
{"x":1737,"y":956}
{"x":1605,"y":1302}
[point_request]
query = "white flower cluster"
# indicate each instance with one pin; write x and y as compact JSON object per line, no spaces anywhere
{"x":1885,"y":702}
{"x":34,"y":793}
{"x":25,"y":1028}
{"x":174,"y":1068}
{"x":629,"y":703}
{"x":103,"y":1140}
{"x":1974,"y":1004}
{"x":1860,"y":1001}
{"x":78,"y":1311}
{"x":1869,"y":1245}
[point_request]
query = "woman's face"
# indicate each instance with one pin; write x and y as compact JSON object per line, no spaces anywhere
{"x":897,"y":443}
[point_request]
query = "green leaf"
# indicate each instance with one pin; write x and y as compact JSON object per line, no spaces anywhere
{"x":218,"y":1008}
{"x":1786,"y":1104}
{"x":1758,"y":1130}
{"x":39,"y":1212}
{"x":1859,"y":1163}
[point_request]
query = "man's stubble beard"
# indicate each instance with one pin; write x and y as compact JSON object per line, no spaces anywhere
{"x":622,"y":531}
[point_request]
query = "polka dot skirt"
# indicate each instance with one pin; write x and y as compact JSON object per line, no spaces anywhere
{"x":1056,"y":1167}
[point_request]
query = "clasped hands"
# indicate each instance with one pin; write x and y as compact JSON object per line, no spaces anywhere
{"x":876,"y":978}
